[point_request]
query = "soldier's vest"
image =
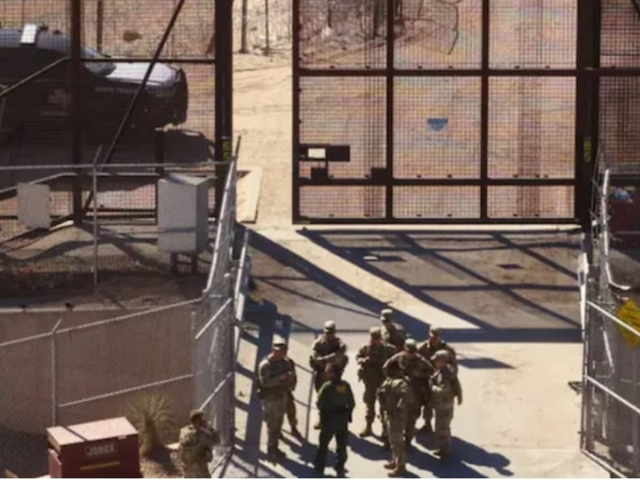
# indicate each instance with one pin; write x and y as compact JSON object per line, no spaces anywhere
{"x":192,"y":450}
{"x":427,"y":350}
{"x":324,"y":347}
{"x":337,"y":401}
{"x":372,"y":370}
{"x":277,"y":369}
{"x":443,"y":387}
{"x":395,"y":336}
{"x":396,"y":396}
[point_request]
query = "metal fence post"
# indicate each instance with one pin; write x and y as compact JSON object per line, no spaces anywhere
{"x":230,"y":367}
{"x":635,"y":424}
{"x":95,"y":223}
{"x":54,"y":378}
{"x":194,"y":357}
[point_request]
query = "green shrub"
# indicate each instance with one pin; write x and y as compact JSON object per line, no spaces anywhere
{"x":153,"y":418}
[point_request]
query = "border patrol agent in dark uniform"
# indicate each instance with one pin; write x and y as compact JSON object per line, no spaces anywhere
{"x":336,"y":403}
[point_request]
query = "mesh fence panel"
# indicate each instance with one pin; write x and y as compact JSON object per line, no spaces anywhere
{"x":612,"y":429}
{"x":439,"y":34}
{"x":531,"y":202}
{"x":611,"y":389}
{"x":533,"y":33}
{"x":343,"y":33}
{"x":620,"y":34}
{"x":453,"y":152}
{"x":532,"y":127}
{"x":437,"y":202}
{"x":213,"y":380}
{"x":345,"y":111}
{"x":429,"y":109}
{"x":343,"y":202}
{"x":619,"y":113}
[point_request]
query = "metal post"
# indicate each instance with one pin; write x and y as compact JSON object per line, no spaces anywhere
{"x":224,"y":90}
{"x":76,"y":104}
{"x":484,"y":111}
{"x":587,"y":106}
{"x":390,"y":80}
{"x":100,"y":25}
{"x":635,"y":424}
{"x":244,"y":48}
{"x":586,"y":430}
{"x":95,"y":223}
{"x":295,"y":128}
{"x":54,"y":371}
{"x":267,"y":49}
{"x":194,"y":355}
{"x":229,"y":398}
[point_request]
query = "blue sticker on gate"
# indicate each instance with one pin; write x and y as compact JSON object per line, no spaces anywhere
{"x":437,"y":124}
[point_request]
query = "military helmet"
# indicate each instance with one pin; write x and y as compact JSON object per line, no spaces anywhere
{"x":435,"y":331}
{"x":195,"y":414}
{"x":374,"y":332}
{"x":330,"y":327}
{"x":279,"y":343}
{"x":441,"y":355}
{"x":386,"y":315}
{"x":411,"y":345}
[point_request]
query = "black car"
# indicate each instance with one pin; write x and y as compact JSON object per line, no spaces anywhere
{"x":108,"y":87}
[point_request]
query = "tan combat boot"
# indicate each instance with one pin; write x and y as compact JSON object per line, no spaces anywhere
{"x":398,"y":472}
{"x":366,"y":432}
{"x":391,"y":465}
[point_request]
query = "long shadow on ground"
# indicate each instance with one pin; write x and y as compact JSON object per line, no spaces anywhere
{"x":474,"y":292}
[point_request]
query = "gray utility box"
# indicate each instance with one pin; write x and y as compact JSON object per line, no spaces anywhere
{"x":183,"y":214}
{"x":34,"y":205}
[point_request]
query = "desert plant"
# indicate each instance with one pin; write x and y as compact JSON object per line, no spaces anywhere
{"x":153,"y":417}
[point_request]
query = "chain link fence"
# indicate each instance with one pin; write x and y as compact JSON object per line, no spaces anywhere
{"x":148,"y":219}
{"x":75,"y":366}
{"x":611,"y":381}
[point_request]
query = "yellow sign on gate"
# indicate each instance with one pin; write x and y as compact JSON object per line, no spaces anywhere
{"x":629,"y":313}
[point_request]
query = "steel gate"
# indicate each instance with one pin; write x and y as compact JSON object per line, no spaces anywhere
{"x":440,"y":111}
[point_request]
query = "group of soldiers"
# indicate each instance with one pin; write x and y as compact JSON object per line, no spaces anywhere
{"x":405,"y":378}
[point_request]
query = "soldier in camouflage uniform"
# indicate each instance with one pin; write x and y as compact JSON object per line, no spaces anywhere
{"x":445,"y":387}
{"x":196,"y":443}
{"x":392,"y":333}
{"x":428,"y":349}
{"x":291,"y":402}
{"x":395,"y":397}
{"x":417,"y":370}
{"x":335,"y":403}
{"x":276,"y":378}
{"x":371,"y":358}
{"x":327,"y":350}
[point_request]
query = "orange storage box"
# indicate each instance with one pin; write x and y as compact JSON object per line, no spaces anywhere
{"x":104,"y":449}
